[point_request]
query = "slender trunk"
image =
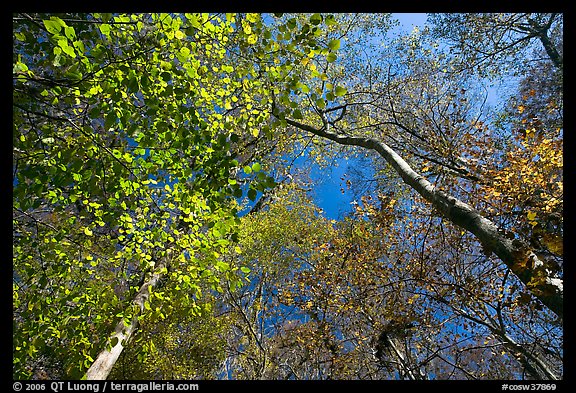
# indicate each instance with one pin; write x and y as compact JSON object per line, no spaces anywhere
{"x":542,"y":34}
{"x":404,"y":365}
{"x":516,"y":254}
{"x":532,"y":362}
{"x":105,"y":361}
{"x":551,"y":50}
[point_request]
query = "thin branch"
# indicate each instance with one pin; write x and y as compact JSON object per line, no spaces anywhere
{"x":98,"y":22}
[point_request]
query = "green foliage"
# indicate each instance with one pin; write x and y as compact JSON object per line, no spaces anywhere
{"x":121,"y":156}
{"x":184,"y":345}
{"x":138,"y":138}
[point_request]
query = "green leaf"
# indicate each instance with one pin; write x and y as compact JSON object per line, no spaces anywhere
{"x":316,"y":19}
{"x":334,"y":44}
{"x":247,"y":170}
{"x":88,"y":232}
{"x":19,"y":67}
{"x":20,"y":36}
{"x":63,"y":43}
{"x":270,"y":182}
{"x":297,"y":114}
{"x":110,"y":120}
{"x":70,"y":33}
{"x":114,"y":341}
{"x":185,"y":52}
{"x":340,"y":91}
{"x":329,"y":20}
{"x":245,"y":269}
{"x":73,"y":74}
{"x":252,"y":194}
{"x":291,"y":23}
{"x":304,"y":88}
{"x":256,"y":167}
{"x":105,"y":29}
{"x":223,"y":266}
{"x":53,"y":25}
{"x":133,"y":84}
{"x":331,"y":57}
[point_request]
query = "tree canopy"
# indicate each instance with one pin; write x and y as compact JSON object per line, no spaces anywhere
{"x":163,"y":230}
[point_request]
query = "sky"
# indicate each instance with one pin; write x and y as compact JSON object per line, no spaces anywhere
{"x":409,"y":20}
{"x":328,"y":182}
{"x":327,"y":193}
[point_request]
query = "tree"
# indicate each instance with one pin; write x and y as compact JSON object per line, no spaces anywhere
{"x":377,"y":296}
{"x":486,"y":42}
{"x":516,"y":254}
{"x":275,"y":243}
{"x":181,"y":346}
{"x":157,"y":217}
{"x":441,"y":267}
{"x":373,"y":132}
{"x":122,"y":172}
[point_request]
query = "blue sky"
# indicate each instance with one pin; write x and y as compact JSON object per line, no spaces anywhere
{"x":409,"y":20}
{"x":327,"y":192}
{"x":328,"y":183}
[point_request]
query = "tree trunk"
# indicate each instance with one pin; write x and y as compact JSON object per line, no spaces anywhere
{"x":516,"y":254}
{"x":533,"y":362}
{"x":100,"y":369}
{"x":404,"y":365}
{"x":542,"y":34}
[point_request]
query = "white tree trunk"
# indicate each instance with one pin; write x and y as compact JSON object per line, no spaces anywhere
{"x":516,"y":254}
{"x":100,"y":369}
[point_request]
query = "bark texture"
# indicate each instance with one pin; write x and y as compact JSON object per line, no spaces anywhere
{"x":100,"y":369}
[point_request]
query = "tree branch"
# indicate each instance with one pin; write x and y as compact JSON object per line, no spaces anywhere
{"x":516,"y":254}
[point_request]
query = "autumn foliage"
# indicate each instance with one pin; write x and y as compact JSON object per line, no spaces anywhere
{"x":165,"y":210}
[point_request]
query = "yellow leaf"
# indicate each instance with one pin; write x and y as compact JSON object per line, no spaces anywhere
{"x":531,"y":216}
{"x":179,"y":34}
{"x":553,"y":243}
{"x":87,"y":231}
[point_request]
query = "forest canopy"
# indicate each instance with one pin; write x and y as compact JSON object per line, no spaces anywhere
{"x":166,"y":223}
